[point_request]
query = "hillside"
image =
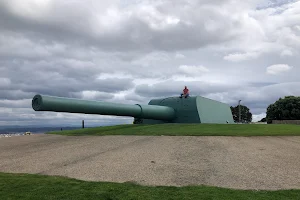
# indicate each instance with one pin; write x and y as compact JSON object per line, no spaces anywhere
{"x":189,"y":130}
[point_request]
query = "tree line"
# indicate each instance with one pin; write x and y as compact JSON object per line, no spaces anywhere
{"x":287,"y":108}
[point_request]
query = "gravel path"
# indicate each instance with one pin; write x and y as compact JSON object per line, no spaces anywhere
{"x":235,"y":162}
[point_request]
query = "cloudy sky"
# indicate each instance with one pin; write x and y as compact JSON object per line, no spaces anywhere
{"x":130,"y":51}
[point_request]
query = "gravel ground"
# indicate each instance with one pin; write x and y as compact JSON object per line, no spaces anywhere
{"x":269,"y":163}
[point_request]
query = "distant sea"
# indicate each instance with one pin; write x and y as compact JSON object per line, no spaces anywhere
{"x":34,"y":130}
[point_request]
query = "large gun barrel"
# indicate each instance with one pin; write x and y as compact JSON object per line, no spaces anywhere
{"x":70,"y":105}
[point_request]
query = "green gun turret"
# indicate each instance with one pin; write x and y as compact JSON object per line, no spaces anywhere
{"x":167,"y":110}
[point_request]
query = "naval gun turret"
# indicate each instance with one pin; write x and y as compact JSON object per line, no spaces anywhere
{"x":165,"y":110}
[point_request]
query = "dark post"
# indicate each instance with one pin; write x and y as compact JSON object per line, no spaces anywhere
{"x":82,"y":123}
{"x":240,"y":111}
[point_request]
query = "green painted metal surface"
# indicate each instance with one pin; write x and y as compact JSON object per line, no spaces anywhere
{"x":211,"y":111}
{"x":185,"y":108}
{"x":194,"y":109}
{"x":58,"y":104}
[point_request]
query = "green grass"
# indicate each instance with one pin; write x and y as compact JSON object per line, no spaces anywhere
{"x":190,"y":130}
{"x":25,"y":186}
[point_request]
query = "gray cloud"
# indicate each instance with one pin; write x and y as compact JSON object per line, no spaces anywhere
{"x":60,"y":77}
{"x":23,"y":103}
{"x":133,"y":51}
{"x":15,"y":94}
{"x":140,"y":26}
{"x":171,"y":88}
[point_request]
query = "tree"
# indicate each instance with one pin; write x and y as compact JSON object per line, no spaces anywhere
{"x":263,"y":120}
{"x":287,"y":108}
{"x":246,"y":115}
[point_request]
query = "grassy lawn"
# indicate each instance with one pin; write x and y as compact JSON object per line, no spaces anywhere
{"x":190,"y":130}
{"x":24,"y":186}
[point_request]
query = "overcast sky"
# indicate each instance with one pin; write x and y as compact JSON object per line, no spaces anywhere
{"x":131,"y":51}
